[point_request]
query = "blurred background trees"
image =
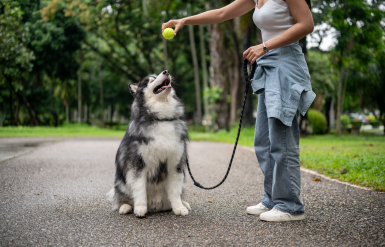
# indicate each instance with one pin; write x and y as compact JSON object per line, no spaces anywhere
{"x":64,"y":61}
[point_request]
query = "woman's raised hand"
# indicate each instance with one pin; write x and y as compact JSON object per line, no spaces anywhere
{"x":178,"y":24}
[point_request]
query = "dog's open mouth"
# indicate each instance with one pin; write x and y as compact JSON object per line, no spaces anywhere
{"x":164,"y":86}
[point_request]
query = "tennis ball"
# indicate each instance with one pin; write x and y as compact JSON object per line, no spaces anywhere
{"x":168,"y":33}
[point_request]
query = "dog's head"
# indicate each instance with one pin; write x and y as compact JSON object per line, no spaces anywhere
{"x":154,"y":97}
{"x":153,"y":87}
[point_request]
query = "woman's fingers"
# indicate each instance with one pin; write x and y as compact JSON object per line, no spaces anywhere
{"x":170,"y":23}
{"x":178,"y":24}
{"x":177,"y":27}
{"x":253,"y":60}
{"x":250,"y":55}
{"x":245,"y":53}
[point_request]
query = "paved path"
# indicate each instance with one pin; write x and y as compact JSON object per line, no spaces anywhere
{"x":13,"y":147}
{"x":55,"y":195}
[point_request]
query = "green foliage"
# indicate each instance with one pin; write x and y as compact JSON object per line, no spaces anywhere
{"x":55,"y":44}
{"x":356,"y":124}
{"x":345,"y":121}
{"x":15,"y":58}
{"x":324,"y":76}
{"x":318,"y":121}
{"x":213,"y":94}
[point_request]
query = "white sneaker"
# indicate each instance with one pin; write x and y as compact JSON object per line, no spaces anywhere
{"x":257,"y":210}
{"x":277,"y":215}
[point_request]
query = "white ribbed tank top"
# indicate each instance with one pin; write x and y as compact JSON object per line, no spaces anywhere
{"x":273,"y":18}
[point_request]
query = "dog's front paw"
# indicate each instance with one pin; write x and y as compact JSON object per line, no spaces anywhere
{"x":140,"y":211}
{"x":183,"y":211}
{"x":125,"y":209}
{"x":186,"y":205}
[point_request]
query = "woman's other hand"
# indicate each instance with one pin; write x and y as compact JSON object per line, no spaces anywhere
{"x":253,"y":53}
{"x":178,"y":24}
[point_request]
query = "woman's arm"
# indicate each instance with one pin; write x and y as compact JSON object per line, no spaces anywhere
{"x":304,"y":25}
{"x":234,"y":9}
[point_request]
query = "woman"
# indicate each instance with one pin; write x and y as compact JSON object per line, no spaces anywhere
{"x":282,"y":79}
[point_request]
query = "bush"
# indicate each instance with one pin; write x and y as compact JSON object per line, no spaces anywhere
{"x":345,"y":121}
{"x":318,"y":121}
{"x":357,"y":124}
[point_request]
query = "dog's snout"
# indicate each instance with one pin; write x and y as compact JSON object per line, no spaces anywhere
{"x":166,"y":72}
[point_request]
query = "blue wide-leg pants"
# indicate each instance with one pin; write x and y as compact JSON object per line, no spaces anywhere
{"x":277,"y":148}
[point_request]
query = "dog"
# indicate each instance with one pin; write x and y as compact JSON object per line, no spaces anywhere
{"x":151,"y":158}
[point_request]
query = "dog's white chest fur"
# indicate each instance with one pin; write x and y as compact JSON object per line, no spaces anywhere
{"x":165,"y":146}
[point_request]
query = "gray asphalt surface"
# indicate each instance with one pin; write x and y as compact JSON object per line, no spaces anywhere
{"x":55,"y":195}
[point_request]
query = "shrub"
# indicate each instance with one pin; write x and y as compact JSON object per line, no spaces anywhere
{"x":345,"y":121}
{"x":357,"y":124}
{"x":318,"y":121}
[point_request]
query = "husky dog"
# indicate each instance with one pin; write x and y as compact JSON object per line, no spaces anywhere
{"x":152,"y":156}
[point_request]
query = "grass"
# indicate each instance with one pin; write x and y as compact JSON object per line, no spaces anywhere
{"x":72,"y":130}
{"x":363,"y":157}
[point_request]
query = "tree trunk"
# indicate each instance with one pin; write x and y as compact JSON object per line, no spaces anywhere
{"x":247,"y":27}
{"x":27,"y":105}
{"x":318,"y":101}
{"x":234,"y":88}
{"x":196,"y":75}
{"x":67,"y":114}
{"x":235,"y":68}
{"x":17,"y":112}
{"x":55,"y":119}
{"x":217,"y":79}
{"x":85,"y":113}
{"x":344,"y":88}
{"x":101,"y":93}
{"x":109,"y":117}
{"x":11,"y":103}
{"x":204,"y":71}
{"x":339,"y":108}
{"x":80,"y":89}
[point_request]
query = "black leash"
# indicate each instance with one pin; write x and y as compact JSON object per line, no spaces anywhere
{"x":247,"y":86}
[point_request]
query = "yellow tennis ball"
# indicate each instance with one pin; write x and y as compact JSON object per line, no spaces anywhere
{"x":168,"y":33}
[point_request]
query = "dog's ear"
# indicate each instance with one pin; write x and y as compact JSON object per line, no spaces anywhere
{"x":133,"y":88}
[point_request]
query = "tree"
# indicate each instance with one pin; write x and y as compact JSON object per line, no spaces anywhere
{"x":56,"y":40}
{"x":359,"y":33}
{"x":15,"y":57}
{"x":375,"y":91}
{"x":196,"y":72}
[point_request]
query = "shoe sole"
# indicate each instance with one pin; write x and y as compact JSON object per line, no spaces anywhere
{"x":294,"y":217}
{"x":256,"y":212}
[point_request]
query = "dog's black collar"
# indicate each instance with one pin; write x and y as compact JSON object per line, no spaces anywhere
{"x":168,"y":119}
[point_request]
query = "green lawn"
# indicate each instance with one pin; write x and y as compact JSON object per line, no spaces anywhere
{"x":73,"y":130}
{"x":363,"y":157}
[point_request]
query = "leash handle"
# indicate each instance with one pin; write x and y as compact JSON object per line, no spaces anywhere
{"x":248,"y":76}
{"x":247,"y":86}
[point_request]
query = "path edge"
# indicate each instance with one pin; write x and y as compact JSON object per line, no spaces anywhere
{"x":324,"y":176}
